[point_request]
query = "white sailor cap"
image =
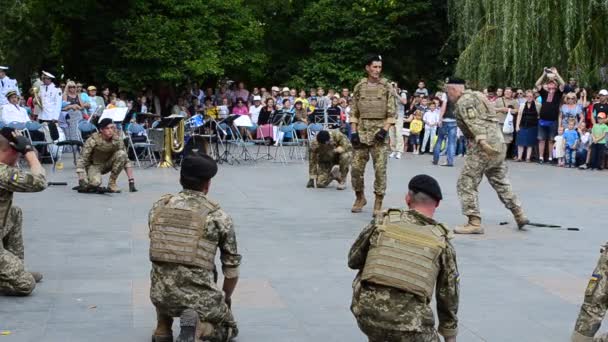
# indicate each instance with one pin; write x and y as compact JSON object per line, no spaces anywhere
{"x":47,"y":74}
{"x":2,"y":67}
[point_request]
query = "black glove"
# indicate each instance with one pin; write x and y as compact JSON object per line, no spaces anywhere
{"x":354,"y":139}
{"x":21,"y":144}
{"x":381,"y":135}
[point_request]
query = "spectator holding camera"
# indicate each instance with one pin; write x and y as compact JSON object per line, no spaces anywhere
{"x":550,"y":86}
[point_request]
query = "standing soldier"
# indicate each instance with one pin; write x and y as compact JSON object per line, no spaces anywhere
{"x":103,"y":152}
{"x":186,"y":230}
{"x":401,"y":257}
{"x":14,"y":279}
{"x":330,"y":158}
{"x":476,"y":119}
{"x":51,"y":99}
{"x":595,"y":304}
{"x":372,"y":114}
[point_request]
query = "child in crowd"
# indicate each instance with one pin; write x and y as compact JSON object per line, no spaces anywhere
{"x":598,"y":142}
{"x":415,"y":121}
{"x":559,"y":147}
{"x":571,"y":139}
{"x":431,"y":119}
{"x":582,"y":152}
{"x":421,"y":89}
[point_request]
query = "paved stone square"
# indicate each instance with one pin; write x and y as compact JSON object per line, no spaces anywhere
{"x":295,"y":285}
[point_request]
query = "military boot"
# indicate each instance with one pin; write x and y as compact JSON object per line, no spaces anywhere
{"x":472,"y":227}
{"x":188,"y":322}
{"x":37,"y":276}
{"x":378,"y":205}
{"x":163,"y":332}
{"x":360,"y":202}
{"x":341,"y":184}
{"x":112,"y":186}
{"x":132,"y":185}
{"x":520,"y":218}
{"x":311,"y":183}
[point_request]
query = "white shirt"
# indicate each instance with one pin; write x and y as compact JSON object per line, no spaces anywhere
{"x":255,"y":112}
{"x":6,"y":85}
{"x":14,"y":113}
{"x":431,"y":117}
{"x":51,"y":102}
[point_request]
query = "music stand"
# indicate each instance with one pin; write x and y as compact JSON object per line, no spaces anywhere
{"x":317,"y":116}
{"x":168,"y":122}
{"x":333,"y":118}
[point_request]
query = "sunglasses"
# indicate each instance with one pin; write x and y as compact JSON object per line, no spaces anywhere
{"x":71,"y":87}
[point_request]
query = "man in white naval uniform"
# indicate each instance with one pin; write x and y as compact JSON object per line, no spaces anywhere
{"x":12,"y":112}
{"x":51,"y":99}
{"x":6,"y":84}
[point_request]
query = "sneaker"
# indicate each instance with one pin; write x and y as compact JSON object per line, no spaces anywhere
{"x":446,"y":164}
{"x":415,"y":152}
{"x":583,"y":167}
{"x":433,"y":162}
{"x":392,"y":155}
{"x":398,"y":155}
{"x":541,"y":161}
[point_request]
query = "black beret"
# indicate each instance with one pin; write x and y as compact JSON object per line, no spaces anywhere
{"x":198,"y":166}
{"x":104,"y":123}
{"x":454,"y":80}
{"x":427,"y":185}
{"x":323,"y":137}
{"x":369,"y":59}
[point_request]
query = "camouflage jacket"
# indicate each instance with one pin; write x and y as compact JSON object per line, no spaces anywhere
{"x":97,"y":151}
{"x":367,"y":128}
{"x":391,"y":309}
{"x":14,"y":180}
{"x":595,"y":303}
{"x":477,"y":119}
{"x":325,"y":154}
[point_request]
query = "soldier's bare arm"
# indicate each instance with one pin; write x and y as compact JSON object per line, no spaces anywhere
{"x":358,"y":252}
{"x":595,"y":303}
{"x":447,"y":293}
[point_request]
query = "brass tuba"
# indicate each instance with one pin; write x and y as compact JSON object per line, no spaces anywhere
{"x":174,"y":142}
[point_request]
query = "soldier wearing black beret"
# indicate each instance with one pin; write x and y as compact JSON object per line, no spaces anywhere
{"x":404,"y":257}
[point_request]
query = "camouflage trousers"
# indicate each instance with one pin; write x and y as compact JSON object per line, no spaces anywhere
{"x":476,"y":165}
{"x":322,"y":172}
{"x":379,"y":159}
{"x":114,"y":165}
{"x":14,"y":280}
{"x":375,"y":334}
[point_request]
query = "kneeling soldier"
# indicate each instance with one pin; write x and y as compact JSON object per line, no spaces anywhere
{"x":330,"y":158}
{"x":186,"y":230}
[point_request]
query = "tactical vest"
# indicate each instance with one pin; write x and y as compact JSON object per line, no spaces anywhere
{"x":405,"y":256}
{"x":178,"y":236}
{"x":372,"y":101}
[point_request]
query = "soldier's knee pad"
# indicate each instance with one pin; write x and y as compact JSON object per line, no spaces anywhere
{"x":25,"y":286}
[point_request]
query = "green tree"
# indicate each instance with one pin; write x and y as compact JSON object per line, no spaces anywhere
{"x":509,"y":42}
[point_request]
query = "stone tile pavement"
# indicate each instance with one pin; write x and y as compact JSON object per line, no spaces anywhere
{"x":295,"y":285}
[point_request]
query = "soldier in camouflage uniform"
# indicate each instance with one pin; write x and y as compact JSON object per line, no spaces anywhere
{"x":185,"y":232}
{"x":14,"y":279}
{"x":476,"y":119}
{"x":103,"y":152}
{"x":595,"y":304}
{"x":373,"y":112}
{"x":330,"y":158}
{"x":401,"y":257}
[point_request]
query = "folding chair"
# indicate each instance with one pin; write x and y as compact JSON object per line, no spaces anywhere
{"x":287,"y":129}
{"x":299,"y":126}
{"x":242,"y":144}
{"x":86,"y":129}
{"x":141,"y":142}
{"x":33,"y":126}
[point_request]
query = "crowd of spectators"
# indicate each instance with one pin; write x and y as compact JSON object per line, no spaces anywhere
{"x":555,"y":122}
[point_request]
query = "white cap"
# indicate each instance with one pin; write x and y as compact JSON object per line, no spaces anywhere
{"x":285,"y":89}
{"x":257,"y":98}
{"x":47,"y":74}
{"x":2,"y":67}
{"x":603,"y":92}
{"x":275,"y":88}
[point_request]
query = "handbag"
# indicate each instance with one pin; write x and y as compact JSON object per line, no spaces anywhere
{"x":507,"y":127}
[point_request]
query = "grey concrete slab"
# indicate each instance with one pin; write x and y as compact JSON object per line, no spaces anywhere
{"x":295,"y":285}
